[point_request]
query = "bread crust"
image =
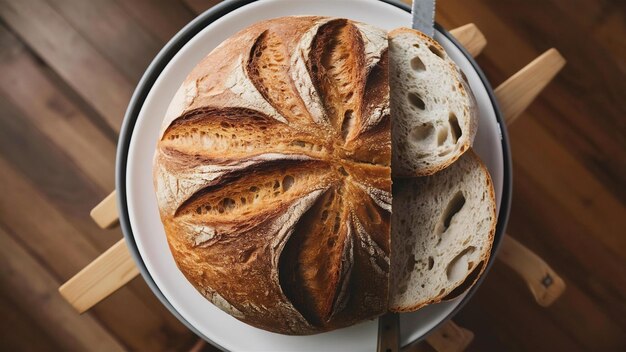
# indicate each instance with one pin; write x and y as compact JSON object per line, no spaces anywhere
{"x":272,"y":175}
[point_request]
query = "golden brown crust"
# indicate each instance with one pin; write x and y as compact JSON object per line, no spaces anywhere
{"x":273,"y":175}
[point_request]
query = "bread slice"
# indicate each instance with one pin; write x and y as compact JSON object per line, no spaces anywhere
{"x":434,"y":117}
{"x":442,"y":231}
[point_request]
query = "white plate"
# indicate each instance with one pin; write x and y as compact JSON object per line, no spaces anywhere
{"x":148,"y":232}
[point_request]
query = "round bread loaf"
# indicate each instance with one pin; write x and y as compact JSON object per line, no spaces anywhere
{"x":273,"y":179}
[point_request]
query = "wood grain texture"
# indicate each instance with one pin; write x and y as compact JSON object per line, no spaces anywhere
{"x":105,"y":213}
{"x":471,"y":38}
{"x":73,"y":332}
{"x":545,"y":285}
{"x":199,"y":6}
{"x":520,"y":90}
{"x":73,"y":57}
{"x":63,"y":96}
{"x":162,"y":18}
{"x":450,"y":338}
{"x":104,"y":24}
{"x":106,"y":274}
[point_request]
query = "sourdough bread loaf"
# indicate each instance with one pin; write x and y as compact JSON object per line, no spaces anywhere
{"x":272,"y":175}
{"x":443,"y":227}
{"x":434,"y":111}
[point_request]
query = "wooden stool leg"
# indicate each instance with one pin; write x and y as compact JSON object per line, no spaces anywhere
{"x":517,"y":92}
{"x":450,"y":338}
{"x":105,"y":275}
{"x":447,"y":338}
{"x":471,"y":38}
{"x":105,"y":213}
{"x":514,"y":96}
{"x":545,"y":284}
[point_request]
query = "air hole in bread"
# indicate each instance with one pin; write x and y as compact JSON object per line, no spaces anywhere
{"x":324,"y":215}
{"x":467,"y":283}
{"x":337,"y":223}
{"x":417,"y":64}
{"x":287,"y":182}
{"x":347,"y":124}
{"x":431,"y":263}
{"x":246,"y":255}
{"x":348,"y":96}
{"x":417,"y":45}
{"x":423,"y":132}
{"x":372,"y":214}
{"x":254,"y":189}
{"x":298,"y":143}
{"x":435,"y":50}
{"x":457,"y":268}
{"x":454,"y":206}
{"x":343,"y":171}
{"x":454,"y":127}
{"x":416,"y":101}
{"x":442,"y":135}
{"x":410,"y":264}
{"x":228,"y":203}
{"x":331,"y":242}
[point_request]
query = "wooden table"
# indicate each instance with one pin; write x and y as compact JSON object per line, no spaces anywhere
{"x":68,"y":68}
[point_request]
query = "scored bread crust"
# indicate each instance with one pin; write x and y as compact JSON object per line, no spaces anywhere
{"x":416,"y":141}
{"x":437,"y":257}
{"x":272,"y":175}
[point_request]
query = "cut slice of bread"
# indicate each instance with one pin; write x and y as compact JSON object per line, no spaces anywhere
{"x":442,"y":231}
{"x":434,"y":117}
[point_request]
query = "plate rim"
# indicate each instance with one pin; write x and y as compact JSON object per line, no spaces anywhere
{"x":160,"y":62}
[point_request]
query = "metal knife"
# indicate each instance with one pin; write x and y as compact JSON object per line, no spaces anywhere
{"x":423,"y":12}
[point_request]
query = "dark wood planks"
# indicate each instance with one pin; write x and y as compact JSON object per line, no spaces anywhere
{"x":106,"y":25}
{"x":36,"y":297}
{"x":56,"y":116}
{"x":68,"y":68}
{"x":131,"y":314}
{"x":199,"y":6}
{"x":18,"y":326}
{"x":162,"y":18}
{"x":74,"y":58}
{"x":569,"y":190}
{"x":71,"y":155}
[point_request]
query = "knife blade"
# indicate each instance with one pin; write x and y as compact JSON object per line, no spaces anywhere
{"x":423,"y":12}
